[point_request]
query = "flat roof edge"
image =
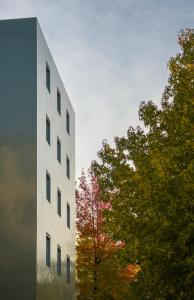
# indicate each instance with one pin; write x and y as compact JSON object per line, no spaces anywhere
{"x":20,"y":19}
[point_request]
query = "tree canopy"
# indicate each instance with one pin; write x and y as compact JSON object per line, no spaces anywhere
{"x":100,"y":274}
{"x":149,"y":174}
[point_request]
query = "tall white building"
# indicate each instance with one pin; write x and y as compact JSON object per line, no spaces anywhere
{"x":37,"y":169}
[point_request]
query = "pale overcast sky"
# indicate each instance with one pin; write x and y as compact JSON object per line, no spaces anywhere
{"x":111,"y":55}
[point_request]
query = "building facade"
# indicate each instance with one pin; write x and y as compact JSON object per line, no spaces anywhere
{"x":37,"y":169}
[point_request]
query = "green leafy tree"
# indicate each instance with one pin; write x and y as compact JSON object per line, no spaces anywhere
{"x":100,"y":274}
{"x":150,"y":175}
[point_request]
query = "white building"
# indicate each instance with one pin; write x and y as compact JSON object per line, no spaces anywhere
{"x":37,"y":169}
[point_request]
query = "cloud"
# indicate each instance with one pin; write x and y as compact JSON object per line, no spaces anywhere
{"x":111,"y":55}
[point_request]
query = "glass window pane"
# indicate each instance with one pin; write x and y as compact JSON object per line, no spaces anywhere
{"x":68,"y":269}
{"x":48,"y":85}
{"x":68,"y":167}
{"x":48,"y":187}
{"x":48,"y":130}
{"x":48,"y":251}
{"x":59,"y":203}
{"x":59,"y":260}
{"x":68,"y":215}
{"x":58,"y":150}
{"x":67,"y":122}
{"x":58,"y":102}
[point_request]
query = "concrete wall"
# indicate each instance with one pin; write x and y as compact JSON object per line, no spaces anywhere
{"x":50,"y":285}
{"x":25,"y":156}
{"x":18,"y":126}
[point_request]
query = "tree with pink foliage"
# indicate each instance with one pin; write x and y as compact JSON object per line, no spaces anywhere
{"x":100,"y":275}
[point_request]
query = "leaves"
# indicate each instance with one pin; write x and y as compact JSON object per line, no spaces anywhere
{"x":150,"y":177}
{"x":100,"y":274}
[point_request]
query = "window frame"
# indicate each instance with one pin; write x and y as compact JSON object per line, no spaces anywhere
{"x":59,"y":101}
{"x":68,"y":173}
{"x":68,"y":215}
{"x":48,"y":187}
{"x":58,"y":260}
{"x":48,"y":250}
{"x":68,"y":268}
{"x":48,"y":77}
{"x":48,"y":130}
{"x":59,"y":202}
{"x":59,"y":150}
{"x":67,"y":122}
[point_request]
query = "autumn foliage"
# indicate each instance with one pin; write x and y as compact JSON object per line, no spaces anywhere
{"x":100,"y":275}
{"x":150,"y":173}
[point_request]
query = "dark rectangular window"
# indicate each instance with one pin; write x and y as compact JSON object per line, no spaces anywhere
{"x":58,"y":260}
{"x":68,"y":215}
{"x":58,"y":150}
{"x":48,"y":130}
{"x":67,"y":122}
{"x":58,"y":102}
{"x":68,"y":269}
{"x":48,"y":78}
{"x":59,"y":203}
{"x":48,"y":250}
{"x":68,"y":167}
{"x":48,"y":187}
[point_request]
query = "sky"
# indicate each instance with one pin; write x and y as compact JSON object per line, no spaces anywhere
{"x":111,"y":55}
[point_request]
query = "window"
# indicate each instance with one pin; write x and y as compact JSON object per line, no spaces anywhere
{"x":68,"y":215}
{"x":48,"y":250}
{"x":48,"y":77}
{"x":67,"y":122}
{"x":58,"y":150}
{"x":58,"y":260}
{"x":59,"y":202}
{"x":68,"y":269}
{"x":48,"y":187}
{"x":48,"y":130}
{"x":68,"y":167}
{"x":58,"y":102}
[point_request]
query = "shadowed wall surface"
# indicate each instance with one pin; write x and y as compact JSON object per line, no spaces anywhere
{"x":17,"y":160}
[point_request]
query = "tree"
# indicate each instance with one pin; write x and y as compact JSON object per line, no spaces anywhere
{"x":150,"y":175}
{"x":100,"y":275}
